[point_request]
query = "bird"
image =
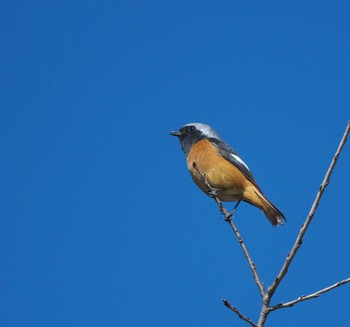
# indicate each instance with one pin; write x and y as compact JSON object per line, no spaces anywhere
{"x":210,"y":159}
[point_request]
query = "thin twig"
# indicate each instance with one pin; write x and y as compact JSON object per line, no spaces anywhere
{"x":252,"y":265}
{"x":266,"y":297}
{"x":237,"y":312}
{"x":310,"y":296}
{"x":227,"y":217}
{"x":266,"y":309}
{"x":304,"y":227}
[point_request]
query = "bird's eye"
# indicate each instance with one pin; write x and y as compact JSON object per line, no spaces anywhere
{"x":191,"y":128}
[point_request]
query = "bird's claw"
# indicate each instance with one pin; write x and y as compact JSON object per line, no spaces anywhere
{"x":213,"y":192}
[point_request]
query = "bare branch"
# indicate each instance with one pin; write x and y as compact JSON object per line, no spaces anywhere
{"x":227,"y":217}
{"x":267,"y":296}
{"x":310,"y":296}
{"x":304,"y":227}
{"x":236,"y":311}
{"x":252,"y":265}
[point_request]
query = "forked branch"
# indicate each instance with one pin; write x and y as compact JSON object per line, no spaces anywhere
{"x":266,"y":297}
{"x":304,"y":227}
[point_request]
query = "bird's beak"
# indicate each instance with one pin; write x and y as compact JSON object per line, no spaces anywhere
{"x":175,"y":133}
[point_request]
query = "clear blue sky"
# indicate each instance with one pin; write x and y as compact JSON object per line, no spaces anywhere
{"x":101,"y":224}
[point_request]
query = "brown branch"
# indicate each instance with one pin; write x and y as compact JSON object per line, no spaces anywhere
{"x":304,"y":227}
{"x":310,"y":296}
{"x":227,"y":217}
{"x":252,"y":265}
{"x":266,"y":309}
{"x":267,"y":296}
{"x":237,"y":312}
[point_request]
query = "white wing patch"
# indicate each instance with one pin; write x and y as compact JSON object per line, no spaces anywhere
{"x":237,"y":158}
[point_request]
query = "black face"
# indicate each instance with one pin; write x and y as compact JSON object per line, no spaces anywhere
{"x":189,"y":131}
{"x":188,"y":136}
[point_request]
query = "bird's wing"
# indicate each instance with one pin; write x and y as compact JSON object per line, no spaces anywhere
{"x":231,"y":155}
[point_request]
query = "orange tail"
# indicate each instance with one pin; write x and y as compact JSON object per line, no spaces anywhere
{"x":257,"y":199}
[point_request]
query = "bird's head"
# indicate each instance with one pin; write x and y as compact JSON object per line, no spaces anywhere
{"x":190,"y":134}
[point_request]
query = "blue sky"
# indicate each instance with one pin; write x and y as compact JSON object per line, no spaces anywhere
{"x":101,"y":224}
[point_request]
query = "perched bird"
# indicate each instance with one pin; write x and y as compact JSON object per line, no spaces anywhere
{"x":227,"y":174}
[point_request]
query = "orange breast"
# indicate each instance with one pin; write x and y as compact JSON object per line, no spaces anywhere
{"x":220,"y":173}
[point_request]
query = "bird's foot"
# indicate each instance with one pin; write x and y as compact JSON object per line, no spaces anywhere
{"x":213,"y":192}
{"x":234,"y":208}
